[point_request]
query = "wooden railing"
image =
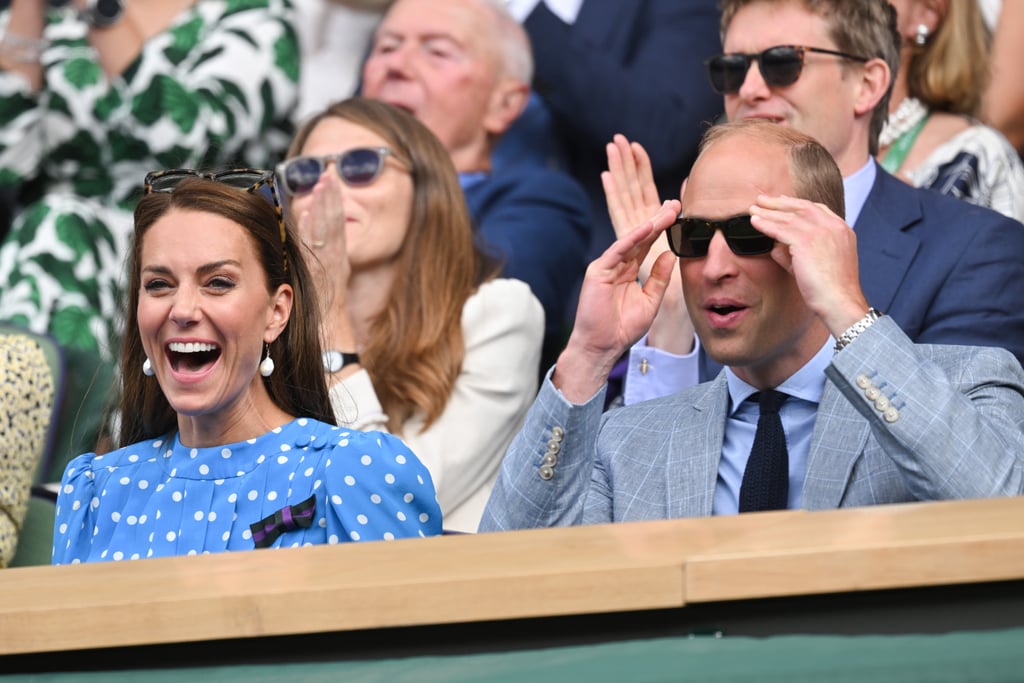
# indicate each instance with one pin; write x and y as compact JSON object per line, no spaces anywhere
{"x":488,"y":577}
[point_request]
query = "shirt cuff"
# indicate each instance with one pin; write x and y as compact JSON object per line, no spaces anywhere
{"x":653,"y":373}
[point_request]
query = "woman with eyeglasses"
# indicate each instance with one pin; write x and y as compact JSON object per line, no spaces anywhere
{"x":932,"y":138}
{"x":228,"y":441}
{"x":422,"y":339}
{"x":92,"y":96}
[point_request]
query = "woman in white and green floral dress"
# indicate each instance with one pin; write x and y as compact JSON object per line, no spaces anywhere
{"x":87,"y":109}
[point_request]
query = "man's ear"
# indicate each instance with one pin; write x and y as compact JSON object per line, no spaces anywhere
{"x":873,"y":85}
{"x":508,"y":100}
{"x":280,"y":313}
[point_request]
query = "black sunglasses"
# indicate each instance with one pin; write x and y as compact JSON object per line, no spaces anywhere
{"x":248,"y":179}
{"x":691,"y":237}
{"x":780,"y":66}
{"x":356,"y":167}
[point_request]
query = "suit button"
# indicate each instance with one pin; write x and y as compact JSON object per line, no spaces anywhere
{"x":554,"y":446}
{"x":881,"y":403}
{"x":891,"y":415}
{"x":550,"y":459}
{"x":546,"y":472}
{"x":872,"y":393}
{"x":557,"y":433}
{"x":863,"y":382}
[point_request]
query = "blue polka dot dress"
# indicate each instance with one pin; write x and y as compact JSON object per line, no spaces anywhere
{"x":159,"y":498}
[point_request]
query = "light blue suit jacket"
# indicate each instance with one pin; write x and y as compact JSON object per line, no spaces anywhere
{"x":951,"y":426}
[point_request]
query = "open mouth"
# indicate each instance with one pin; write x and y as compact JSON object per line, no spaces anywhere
{"x":765,"y":117}
{"x":191,"y":356}
{"x":724,"y":315}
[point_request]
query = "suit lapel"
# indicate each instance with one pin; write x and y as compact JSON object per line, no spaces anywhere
{"x":885,"y":246}
{"x":694,"y":450}
{"x":839,"y":439}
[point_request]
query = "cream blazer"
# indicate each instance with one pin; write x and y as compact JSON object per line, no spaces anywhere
{"x":503,"y":325}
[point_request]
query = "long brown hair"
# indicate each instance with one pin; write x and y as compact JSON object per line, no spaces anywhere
{"x":415,"y":348}
{"x":297,"y":385}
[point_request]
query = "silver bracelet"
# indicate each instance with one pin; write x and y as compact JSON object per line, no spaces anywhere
{"x":854,"y":330}
{"x":22,"y":50}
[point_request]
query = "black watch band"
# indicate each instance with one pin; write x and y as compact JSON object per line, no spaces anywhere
{"x":335,"y":360}
{"x":103,"y":13}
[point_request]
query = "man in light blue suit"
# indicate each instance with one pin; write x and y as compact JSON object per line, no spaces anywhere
{"x":946,"y":271}
{"x":770,"y":278}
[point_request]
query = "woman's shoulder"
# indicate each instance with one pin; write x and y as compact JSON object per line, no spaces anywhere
{"x":502,"y":310}
{"x":973,"y":137}
{"x":505,"y":294}
{"x":87,"y":466}
{"x":324,"y":435}
{"x":351,"y":451}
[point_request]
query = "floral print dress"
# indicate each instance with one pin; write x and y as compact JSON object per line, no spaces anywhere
{"x":216,"y":89}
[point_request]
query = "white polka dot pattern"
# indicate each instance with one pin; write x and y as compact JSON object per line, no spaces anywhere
{"x":159,"y":498}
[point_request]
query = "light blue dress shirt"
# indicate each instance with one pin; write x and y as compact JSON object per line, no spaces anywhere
{"x":804,"y":389}
{"x":471,"y":178}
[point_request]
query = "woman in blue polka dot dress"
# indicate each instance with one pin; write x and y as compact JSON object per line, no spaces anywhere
{"x":233,"y":440}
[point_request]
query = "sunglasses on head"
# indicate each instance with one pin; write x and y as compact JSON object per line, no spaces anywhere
{"x":248,"y":179}
{"x":356,"y":167}
{"x":691,"y":237}
{"x":780,"y":66}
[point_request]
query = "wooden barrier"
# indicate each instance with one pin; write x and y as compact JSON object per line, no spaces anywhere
{"x":515,"y":575}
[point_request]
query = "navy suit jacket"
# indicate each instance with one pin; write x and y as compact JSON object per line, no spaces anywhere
{"x":625,"y":66}
{"x":948,"y":272}
{"x":535,"y":222}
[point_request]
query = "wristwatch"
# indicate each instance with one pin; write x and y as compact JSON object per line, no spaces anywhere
{"x":103,"y":13}
{"x":335,"y":360}
{"x":854,"y":330}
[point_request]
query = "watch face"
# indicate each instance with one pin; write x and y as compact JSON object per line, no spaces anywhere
{"x":103,"y":13}
{"x":108,"y":8}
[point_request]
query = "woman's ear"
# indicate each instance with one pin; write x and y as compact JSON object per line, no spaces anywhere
{"x":280,"y":312}
{"x":927,"y":13}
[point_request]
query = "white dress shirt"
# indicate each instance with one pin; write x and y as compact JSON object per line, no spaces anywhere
{"x":566,"y":10}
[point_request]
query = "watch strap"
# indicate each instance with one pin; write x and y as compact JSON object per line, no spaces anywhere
{"x":335,"y":360}
{"x":855,"y":330}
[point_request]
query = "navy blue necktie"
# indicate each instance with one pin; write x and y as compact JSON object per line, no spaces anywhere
{"x":766,"y":479}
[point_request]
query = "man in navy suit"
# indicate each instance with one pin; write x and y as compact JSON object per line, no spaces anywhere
{"x":945,"y":271}
{"x":861,"y":414}
{"x":463,"y":67}
{"x":617,"y":66}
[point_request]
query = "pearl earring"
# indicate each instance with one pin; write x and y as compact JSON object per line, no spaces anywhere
{"x":267,"y":364}
{"x":921,"y":37}
{"x":147,"y":368}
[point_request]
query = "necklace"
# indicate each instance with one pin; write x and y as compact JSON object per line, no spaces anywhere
{"x":910,"y":113}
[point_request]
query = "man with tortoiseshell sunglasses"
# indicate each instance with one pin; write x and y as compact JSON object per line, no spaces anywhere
{"x":948,"y":272}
